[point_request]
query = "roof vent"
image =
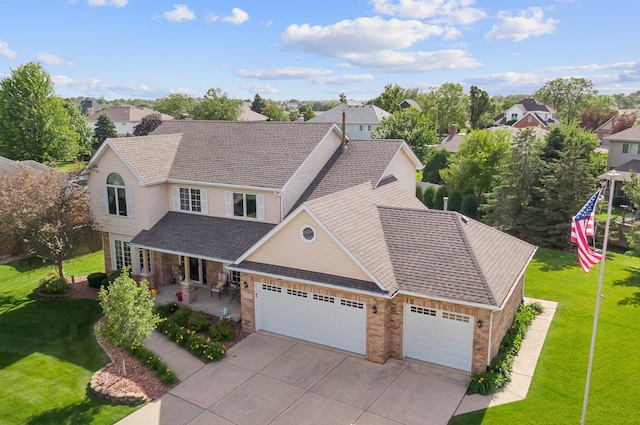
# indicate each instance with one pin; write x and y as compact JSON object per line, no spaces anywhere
{"x":464,"y":219}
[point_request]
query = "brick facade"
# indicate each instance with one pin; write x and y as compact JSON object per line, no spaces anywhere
{"x":385,"y":327}
{"x":502,"y":320}
{"x":106,"y":248}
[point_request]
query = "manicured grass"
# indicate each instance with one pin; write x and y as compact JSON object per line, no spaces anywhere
{"x":68,"y":166}
{"x":557,"y":390}
{"x":48,"y":352}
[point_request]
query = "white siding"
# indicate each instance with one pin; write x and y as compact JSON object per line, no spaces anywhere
{"x":286,"y":248}
{"x":617,"y":158}
{"x":310,"y":169}
{"x":123,"y":128}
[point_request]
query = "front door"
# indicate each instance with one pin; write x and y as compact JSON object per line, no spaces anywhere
{"x":197,"y":270}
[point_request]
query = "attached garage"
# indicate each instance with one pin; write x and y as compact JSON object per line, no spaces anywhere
{"x":439,"y":337}
{"x":331,"y":321}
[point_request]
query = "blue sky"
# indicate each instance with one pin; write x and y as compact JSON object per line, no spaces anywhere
{"x":317,"y":49}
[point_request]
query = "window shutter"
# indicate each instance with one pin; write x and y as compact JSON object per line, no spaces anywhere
{"x":260,"y":206}
{"x":105,"y":200}
{"x":228,"y":204}
{"x":203,"y":201}
{"x":176,"y":198}
{"x":128,"y":193}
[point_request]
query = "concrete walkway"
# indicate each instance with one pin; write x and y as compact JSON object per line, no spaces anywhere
{"x":271,"y":379}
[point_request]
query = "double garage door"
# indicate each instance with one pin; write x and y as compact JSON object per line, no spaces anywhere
{"x":331,"y":321}
{"x":439,"y":337}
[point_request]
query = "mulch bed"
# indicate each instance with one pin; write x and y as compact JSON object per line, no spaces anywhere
{"x":138,"y":377}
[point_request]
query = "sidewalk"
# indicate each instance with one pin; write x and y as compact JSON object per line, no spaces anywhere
{"x":524,"y":365}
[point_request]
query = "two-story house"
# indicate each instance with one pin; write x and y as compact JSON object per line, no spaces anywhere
{"x":360,"y":119}
{"x":528,"y":113}
{"x":125,"y":117}
{"x":322,"y":232}
{"x":624,"y":154}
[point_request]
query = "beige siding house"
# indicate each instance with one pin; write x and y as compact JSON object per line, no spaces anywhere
{"x":323,"y":235}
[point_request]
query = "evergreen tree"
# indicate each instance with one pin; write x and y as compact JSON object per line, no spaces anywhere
{"x":436,"y":161}
{"x":428,"y":196}
{"x":469,"y":206}
{"x":105,"y":129}
{"x":455,"y":200}
{"x":438,"y":198}
{"x":258,"y":104}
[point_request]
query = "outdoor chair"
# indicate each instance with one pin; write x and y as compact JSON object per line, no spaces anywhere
{"x":220,"y":285}
{"x":235,"y":291}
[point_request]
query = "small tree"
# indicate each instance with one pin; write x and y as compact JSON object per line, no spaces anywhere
{"x":308,"y":113}
{"x":469,"y":206}
{"x":438,"y":198}
{"x":105,"y":129}
{"x":128,"y":308}
{"x":258,"y":104}
{"x":455,"y":200}
{"x":147,"y":124}
{"x":274,"y":112}
{"x":428,"y":196}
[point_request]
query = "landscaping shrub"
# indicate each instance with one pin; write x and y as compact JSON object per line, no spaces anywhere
{"x":198,"y":322}
{"x":153,"y":362}
{"x":95,"y":279}
{"x":455,"y":200}
{"x":165,"y":310}
{"x":201,"y":347}
{"x":499,"y":372}
{"x":469,"y":206}
{"x":53,"y":284}
{"x":182,"y":315}
{"x":419,"y":192}
{"x":112,"y":277}
{"x":222,"y":330}
{"x":438,"y":198}
{"x":428,"y":196}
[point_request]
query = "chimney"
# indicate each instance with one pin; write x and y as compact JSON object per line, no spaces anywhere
{"x":452,"y":130}
{"x":445,"y":201}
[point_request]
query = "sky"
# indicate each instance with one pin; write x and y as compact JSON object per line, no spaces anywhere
{"x":315,"y":50}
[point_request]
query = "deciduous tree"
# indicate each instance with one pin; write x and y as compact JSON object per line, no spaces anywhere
{"x":479,"y":107}
{"x":147,"y":124}
{"x":128,"y":309}
{"x":275,"y":113}
{"x":568,"y":96}
{"x":217,"y":105}
{"x":34,"y":123}
{"x":45,"y":209}
{"x":176,"y":105}
{"x":409,"y":125}
{"x":392,"y":96}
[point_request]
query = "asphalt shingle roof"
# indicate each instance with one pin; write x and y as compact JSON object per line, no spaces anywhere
{"x":150,"y":156}
{"x":444,"y":254}
{"x":202,"y":236}
{"x":126,"y":113}
{"x":631,"y":134}
{"x":354,"y":114}
{"x":361,"y":161}
{"x":256,"y":154}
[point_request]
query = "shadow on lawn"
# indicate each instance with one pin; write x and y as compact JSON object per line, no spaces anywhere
{"x":560,"y":260}
{"x":61,"y":328}
{"x":75,"y":414}
{"x":632,"y":280}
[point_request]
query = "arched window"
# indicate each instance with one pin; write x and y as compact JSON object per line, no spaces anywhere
{"x":116,"y":195}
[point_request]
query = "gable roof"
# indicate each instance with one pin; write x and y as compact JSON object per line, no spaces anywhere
{"x":126,"y":113}
{"x":451,"y":143}
{"x":8,"y":165}
{"x":631,"y":134}
{"x":446,"y":255}
{"x":355,"y":113}
{"x":261,"y":154}
{"x":532,"y":105}
{"x":363,"y":160}
{"x":247,"y":114}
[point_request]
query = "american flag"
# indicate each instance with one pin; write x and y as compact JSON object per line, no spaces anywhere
{"x":581,"y":229}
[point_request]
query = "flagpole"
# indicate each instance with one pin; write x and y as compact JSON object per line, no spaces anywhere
{"x":612,"y":174}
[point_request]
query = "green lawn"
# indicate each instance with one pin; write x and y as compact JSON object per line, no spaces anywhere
{"x":68,"y":166}
{"x":557,"y":390}
{"x":48,"y":352}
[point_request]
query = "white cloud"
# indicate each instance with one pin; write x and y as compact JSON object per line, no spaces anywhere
{"x":51,"y":59}
{"x":316,"y":75}
{"x":506,"y":79}
{"x":97,"y":88}
{"x":260,"y":88}
{"x":395,"y":61}
{"x":6,"y":52}
{"x":238,"y":16}
{"x":211,"y":17}
{"x":362,"y":35}
{"x":452,"y":11}
{"x":179,"y":13}
{"x":595,"y":67}
{"x":528,"y":23}
{"x":116,"y":3}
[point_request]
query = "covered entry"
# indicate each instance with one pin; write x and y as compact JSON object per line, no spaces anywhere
{"x":331,"y":321}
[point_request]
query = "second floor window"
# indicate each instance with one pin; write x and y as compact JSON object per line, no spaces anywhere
{"x":244,"y":205}
{"x":630,"y":148}
{"x":190,"y":199}
{"x":118,"y":197}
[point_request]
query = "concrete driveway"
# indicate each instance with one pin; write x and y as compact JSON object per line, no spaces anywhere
{"x":270,"y":379}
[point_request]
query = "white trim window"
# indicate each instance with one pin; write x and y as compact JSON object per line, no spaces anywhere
{"x":121,"y":254}
{"x":244,"y":205}
{"x":141,"y":261}
{"x":118,"y":199}
{"x":190,"y":199}
{"x":235,"y":277}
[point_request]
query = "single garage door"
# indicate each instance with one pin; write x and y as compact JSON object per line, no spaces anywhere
{"x":437,"y":336}
{"x":331,"y":321}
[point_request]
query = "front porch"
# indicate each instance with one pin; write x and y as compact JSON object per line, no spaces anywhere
{"x":201,"y":299}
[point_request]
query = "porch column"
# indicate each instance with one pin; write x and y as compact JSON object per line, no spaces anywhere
{"x":187,"y":270}
{"x":145,"y":262}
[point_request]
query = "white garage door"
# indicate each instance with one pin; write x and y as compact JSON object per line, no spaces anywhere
{"x":331,"y":321}
{"x":437,"y":336}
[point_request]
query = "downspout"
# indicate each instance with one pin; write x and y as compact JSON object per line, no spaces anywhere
{"x":490,"y":333}
{"x":279,"y":195}
{"x":344,"y":128}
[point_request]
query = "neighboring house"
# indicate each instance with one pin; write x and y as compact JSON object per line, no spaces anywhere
{"x":323,"y":233}
{"x":528,"y":113}
{"x":360,"y":119}
{"x":89,"y":106}
{"x":246,"y":114}
{"x":624,"y":152}
{"x":125,"y":117}
{"x":410,"y":103}
{"x":604,"y":130}
{"x":451,"y":143}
